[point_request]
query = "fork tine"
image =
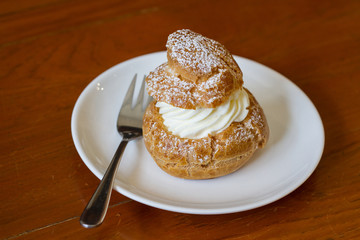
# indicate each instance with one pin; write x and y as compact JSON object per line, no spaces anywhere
{"x":148,"y":101}
{"x":129,"y":94}
{"x":141,"y":93}
{"x":149,"y":98}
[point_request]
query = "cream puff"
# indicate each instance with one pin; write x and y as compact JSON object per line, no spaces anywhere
{"x":202,"y":123}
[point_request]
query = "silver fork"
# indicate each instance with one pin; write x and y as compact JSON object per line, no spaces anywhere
{"x":129,"y":126}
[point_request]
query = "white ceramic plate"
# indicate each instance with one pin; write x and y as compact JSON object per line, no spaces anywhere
{"x":294,"y":149}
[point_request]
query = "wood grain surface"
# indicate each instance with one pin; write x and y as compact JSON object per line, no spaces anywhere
{"x":51,"y":49}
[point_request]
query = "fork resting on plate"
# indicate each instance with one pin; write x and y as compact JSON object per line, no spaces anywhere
{"x":129,"y":126}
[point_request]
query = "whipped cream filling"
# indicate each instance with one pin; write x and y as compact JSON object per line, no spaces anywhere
{"x":201,"y":122}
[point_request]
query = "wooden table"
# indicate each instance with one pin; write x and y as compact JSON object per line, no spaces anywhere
{"x":51,"y":49}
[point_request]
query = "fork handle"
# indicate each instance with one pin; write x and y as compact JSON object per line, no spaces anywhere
{"x":95,"y":211}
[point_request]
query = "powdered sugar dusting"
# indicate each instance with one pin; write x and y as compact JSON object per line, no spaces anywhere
{"x":165,"y":86}
{"x":195,"y":52}
{"x":200,"y":72}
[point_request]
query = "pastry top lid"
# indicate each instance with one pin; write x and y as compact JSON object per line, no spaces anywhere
{"x":200,"y":72}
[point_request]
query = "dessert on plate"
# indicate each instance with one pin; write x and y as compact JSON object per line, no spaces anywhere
{"x":202,"y":123}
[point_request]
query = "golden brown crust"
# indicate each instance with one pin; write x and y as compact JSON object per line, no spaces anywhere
{"x":200,"y":72}
{"x":207,"y":157}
